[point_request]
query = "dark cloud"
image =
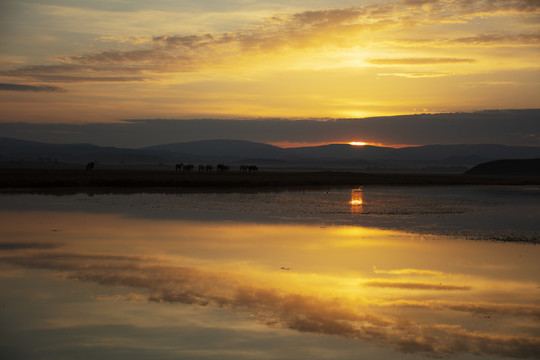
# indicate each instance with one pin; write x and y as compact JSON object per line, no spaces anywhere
{"x":190,"y":41}
{"x":26,"y":246}
{"x":477,"y":308}
{"x":135,"y":61}
{"x":327,"y":17}
{"x":74,"y":73}
{"x":30,"y":88}
{"x":419,"y":2}
{"x":516,"y":5}
{"x":85,"y":79}
{"x":279,"y":307}
{"x":528,"y":38}
{"x":456,"y":8}
{"x":418,"y":61}
{"x":491,"y":39}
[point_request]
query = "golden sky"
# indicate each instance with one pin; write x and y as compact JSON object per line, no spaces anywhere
{"x":103,"y":61}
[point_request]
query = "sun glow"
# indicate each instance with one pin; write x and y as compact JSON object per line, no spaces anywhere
{"x":357,"y":143}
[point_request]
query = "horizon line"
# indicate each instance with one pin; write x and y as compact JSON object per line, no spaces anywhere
{"x":303,"y":144}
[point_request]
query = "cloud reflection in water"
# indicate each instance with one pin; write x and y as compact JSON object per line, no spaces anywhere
{"x":346,"y":281}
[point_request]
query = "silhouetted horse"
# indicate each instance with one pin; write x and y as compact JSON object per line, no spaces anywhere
{"x":252,"y":168}
{"x":201,"y":168}
{"x":209,"y":168}
{"x":188,"y":167}
{"x":244,"y":168}
{"x":179,"y":166}
{"x":90,"y":166}
{"x":222,"y":168}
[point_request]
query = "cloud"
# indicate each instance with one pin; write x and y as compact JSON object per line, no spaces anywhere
{"x":414,"y":285}
{"x":415,"y":75}
{"x":280,"y":35}
{"x":29,"y":88}
{"x":419,"y":2}
{"x":135,"y":40}
{"x":122,"y":297}
{"x":531,"y":311}
{"x":75,"y":73}
{"x":502,"y":39}
{"x":418,"y":61}
{"x":455,"y":9}
{"x":409,"y":272}
{"x":26,"y":246}
{"x":486,"y":39}
{"x":286,"y":307}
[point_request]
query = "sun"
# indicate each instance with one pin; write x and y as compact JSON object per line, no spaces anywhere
{"x":357,"y":143}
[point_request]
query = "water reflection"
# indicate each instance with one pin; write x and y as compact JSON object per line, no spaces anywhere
{"x":356,"y":200}
{"x":425,"y":296}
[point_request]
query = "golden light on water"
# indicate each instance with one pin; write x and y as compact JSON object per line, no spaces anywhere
{"x":356,"y":201}
{"x":403,"y":292}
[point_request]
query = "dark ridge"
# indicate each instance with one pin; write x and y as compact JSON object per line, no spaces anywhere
{"x":514,"y":167}
{"x":440,"y":158}
{"x":13,"y":179}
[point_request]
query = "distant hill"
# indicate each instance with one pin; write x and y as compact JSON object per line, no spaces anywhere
{"x":21,"y":151}
{"x":234,"y":152}
{"x":227,"y":149}
{"x":514,"y":167}
{"x":466,"y":154}
{"x":342,"y":152}
{"x":482,"y":151}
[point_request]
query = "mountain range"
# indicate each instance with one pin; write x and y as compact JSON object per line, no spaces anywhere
{"x":20,"y":153}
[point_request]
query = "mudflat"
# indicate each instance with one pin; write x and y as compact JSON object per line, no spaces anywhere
{"x":110,"y":178}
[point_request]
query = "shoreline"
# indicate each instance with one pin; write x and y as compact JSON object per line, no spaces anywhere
{"x":151,"y":180}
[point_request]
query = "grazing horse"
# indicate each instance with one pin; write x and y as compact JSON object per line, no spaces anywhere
{"x":179,"y":166}
{"x":222,"y":168}
{"x":253,"y":168}
{"x":90,"y":166}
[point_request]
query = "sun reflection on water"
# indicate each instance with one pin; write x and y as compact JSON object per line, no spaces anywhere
{"x":356,"y":201}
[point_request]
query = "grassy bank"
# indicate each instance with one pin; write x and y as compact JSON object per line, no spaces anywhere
{"x":65,"y":178}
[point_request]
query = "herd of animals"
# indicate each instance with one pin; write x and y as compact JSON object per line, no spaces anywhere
{"x":220,"y":168}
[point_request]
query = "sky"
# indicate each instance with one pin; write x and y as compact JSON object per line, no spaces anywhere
{"x":101,"y":62}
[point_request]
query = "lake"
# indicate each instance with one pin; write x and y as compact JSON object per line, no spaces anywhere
{"x":338,"y":273}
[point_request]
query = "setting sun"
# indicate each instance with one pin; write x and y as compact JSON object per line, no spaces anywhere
{"x":357,"y":143}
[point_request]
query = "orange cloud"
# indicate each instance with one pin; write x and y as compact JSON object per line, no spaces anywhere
{"x":280,"y":35}
{"x":414,"y":272}
{"x":415,"y":285}
{"x":418,"y":61}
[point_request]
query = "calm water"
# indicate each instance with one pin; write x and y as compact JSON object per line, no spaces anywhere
{"x":370,"y":273}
